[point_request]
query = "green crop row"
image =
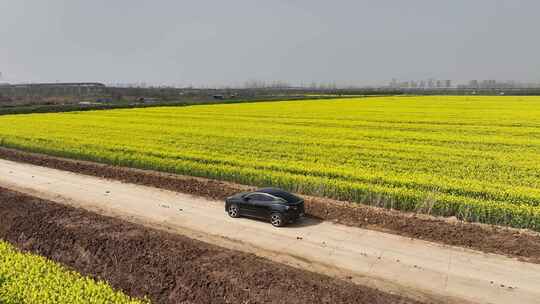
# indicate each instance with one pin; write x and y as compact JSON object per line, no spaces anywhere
{"x":27,"y":278}
{"x":477,"y":158}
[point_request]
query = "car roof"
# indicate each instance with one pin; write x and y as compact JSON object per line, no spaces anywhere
{"x":289,"y":197}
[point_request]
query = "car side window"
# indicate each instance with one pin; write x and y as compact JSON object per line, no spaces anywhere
{"x":252,"y":196}
{"x":265,"y":198}
{"x":259,"y":197}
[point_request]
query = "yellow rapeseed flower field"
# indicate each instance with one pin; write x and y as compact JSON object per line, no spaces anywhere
{"x":27,"y":278}
{"x":477,"y":158}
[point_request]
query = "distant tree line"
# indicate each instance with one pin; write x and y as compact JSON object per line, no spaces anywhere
{"x":74,"y":93}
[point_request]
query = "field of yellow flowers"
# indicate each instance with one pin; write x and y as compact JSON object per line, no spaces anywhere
{"x":27,"y":278}
{"x":477,"y":158}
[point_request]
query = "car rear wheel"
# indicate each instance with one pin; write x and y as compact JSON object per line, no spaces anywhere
{"x":277,"y":219}
{"x":233,"y":211}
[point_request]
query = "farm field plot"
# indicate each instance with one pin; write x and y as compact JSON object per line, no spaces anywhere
{"x":477,"y":158}
{"x":28,"y":278}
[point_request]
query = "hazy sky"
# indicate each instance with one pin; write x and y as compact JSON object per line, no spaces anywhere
{"x":228,"y":42}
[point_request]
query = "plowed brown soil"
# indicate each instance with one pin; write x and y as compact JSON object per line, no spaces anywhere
{"x":167,"y":268}
{"x":491,"y":239}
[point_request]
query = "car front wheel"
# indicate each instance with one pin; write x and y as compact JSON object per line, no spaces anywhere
{"x":233,"y":211}
{"x":277,"y":219}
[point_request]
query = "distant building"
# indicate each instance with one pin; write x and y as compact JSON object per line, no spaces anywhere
{"x":53,"y":89}
{"x":474,"y":84}
{"x":421,"y":84}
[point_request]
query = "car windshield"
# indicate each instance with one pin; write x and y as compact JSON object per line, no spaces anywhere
{"x":290,"y":198}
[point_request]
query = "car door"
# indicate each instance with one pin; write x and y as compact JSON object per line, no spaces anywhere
{"x":249,"y":205}
{"x":261,"y":205}
{"x":256,"y":205}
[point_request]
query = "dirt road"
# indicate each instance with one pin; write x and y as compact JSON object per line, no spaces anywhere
{"x":392,"y":263}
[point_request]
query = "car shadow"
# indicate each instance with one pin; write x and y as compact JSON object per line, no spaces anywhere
{"x":304,"y":222}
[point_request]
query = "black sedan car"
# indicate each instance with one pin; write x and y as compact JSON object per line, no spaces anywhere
{"x":276,"y":205}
